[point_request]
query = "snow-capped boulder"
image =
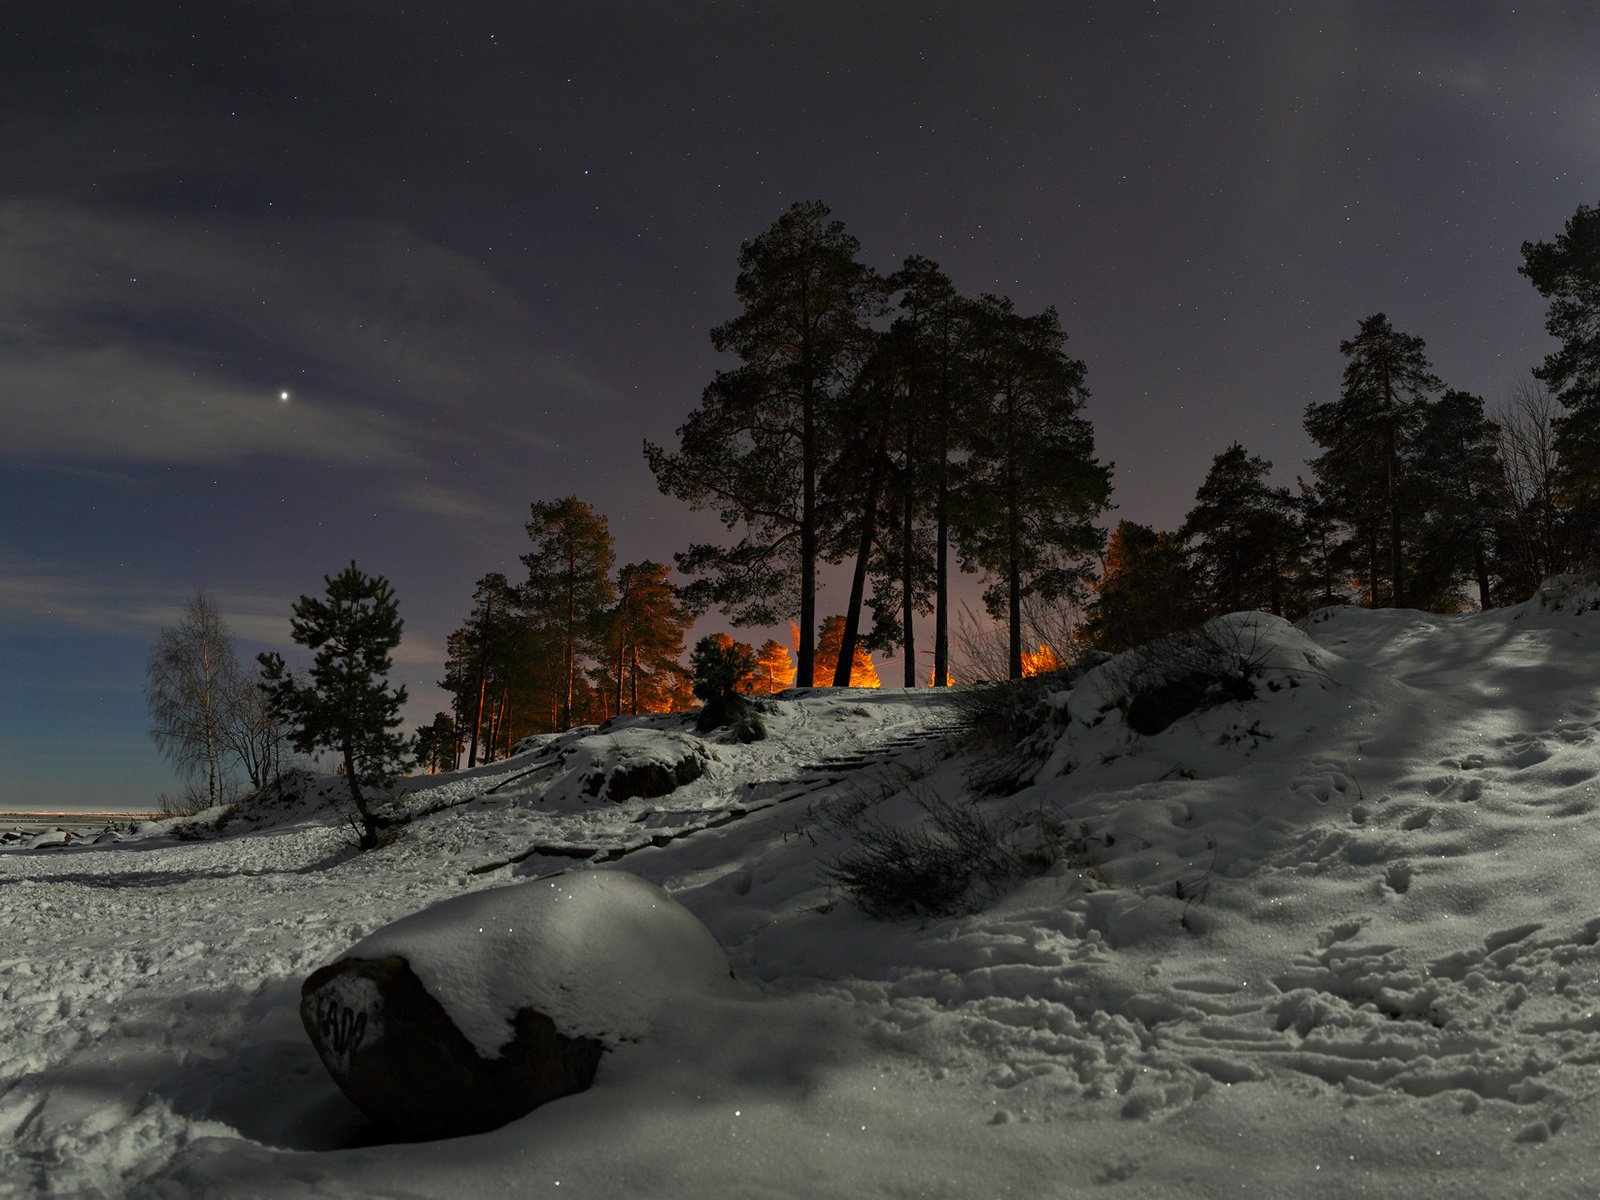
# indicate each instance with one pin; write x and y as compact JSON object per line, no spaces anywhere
{"x":1219,"y":662}
{"x":477,"y":1010}
{"x":624,"y":762}
{"x":1568,"y":595}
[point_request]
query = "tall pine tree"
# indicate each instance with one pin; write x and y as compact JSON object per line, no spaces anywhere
{"x":480,"y":653}
{"x":1457,"y":481}
{"x":644,"y":641}
{"x":1035,"y":484}
{"x":1566,"y":272}
{"x":765,"y":432}
{"x":1366,"y":436}
{"x":568,"y":589}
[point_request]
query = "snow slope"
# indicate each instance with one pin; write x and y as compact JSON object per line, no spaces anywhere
{"x":1338,"y":940}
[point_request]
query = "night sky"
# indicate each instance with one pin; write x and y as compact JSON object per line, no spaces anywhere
{"x":481,"y":255}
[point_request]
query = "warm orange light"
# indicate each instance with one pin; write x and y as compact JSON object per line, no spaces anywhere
{"x":1045,"y":659}
{"x":863,"y":673}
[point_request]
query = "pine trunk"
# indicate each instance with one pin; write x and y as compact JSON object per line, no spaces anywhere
{"x":806,"y":651}
{"x":477,"y":716}
{"x":369,"y":827}
{"x":858,"y":580}
{"x":1396,"y":567}
{"x":908,"y":629}
{"x":941,"y":590}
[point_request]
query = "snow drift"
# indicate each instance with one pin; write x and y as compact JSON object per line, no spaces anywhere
{"x":1338,"y":938}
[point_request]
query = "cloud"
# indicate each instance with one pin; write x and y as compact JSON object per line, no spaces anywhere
{"x":121,"y":404}
{"x":419,"y":495}
{"x":39,"y":594}
{"x":128,"y":339}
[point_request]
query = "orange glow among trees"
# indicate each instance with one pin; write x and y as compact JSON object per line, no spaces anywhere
{"x":775,"y":668}
{"x":829,"y":640}
{"x":1043,"y":660}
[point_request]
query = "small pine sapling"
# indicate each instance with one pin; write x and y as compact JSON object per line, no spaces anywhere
{"x":347,"y":706}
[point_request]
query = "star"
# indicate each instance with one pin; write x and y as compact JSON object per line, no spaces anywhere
{"x":283,"y":397}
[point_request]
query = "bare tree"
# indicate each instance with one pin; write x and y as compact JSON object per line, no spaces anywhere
{"x":250,"y":730}
{"x":188,"y":681}
{"x":1528,"y":483}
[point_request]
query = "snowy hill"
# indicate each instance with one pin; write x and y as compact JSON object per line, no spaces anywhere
{"x":1333,"y":933}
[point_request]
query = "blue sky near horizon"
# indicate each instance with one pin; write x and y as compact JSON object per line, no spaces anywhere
{"x":481,"y":248}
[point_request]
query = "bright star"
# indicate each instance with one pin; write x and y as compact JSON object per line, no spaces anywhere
{"x":284,"y":396}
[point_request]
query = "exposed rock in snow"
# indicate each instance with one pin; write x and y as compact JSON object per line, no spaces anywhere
{"x":623,"y":760}
{"x":394,"y":1051}
{"x":480,"y":1008}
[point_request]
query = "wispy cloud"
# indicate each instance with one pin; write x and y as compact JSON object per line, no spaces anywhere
{"x":421,"y":495}
{"x":133,"y":340}
{"x":34,"y":595}
{"x":123,"y":404}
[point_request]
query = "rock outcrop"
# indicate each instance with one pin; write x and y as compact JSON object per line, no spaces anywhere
{"x":482,"y":1007}
{"x":394,"y":1051}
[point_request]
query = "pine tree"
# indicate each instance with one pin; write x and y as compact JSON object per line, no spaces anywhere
{"x":644,"y":640}
{"x":927,"y":345}
{"x":1035,"y":486}
{"x":830,"y":649}
{"x":774,"y":668}
{"x":939,"y":336}
{"x":1244,"y":535}
{"x":1328,"y":564}
{"x":347,"y":706}
{"x":722,"y":667}
{"x":437,"y":745}
{"x":1366,"y":437}
{"x":1456,"y":484}
{"x":765,"y":432}
{"x":859,"y":475}
{"x":480,"y":654}
{"x":1566,"y":272}
{"x":568,"y":590}
{"x":1144,"y":592}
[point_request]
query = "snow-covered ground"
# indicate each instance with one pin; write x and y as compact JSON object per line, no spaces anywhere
{"x":1342,"y":939}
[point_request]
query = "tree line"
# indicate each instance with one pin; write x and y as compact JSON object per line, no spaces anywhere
{"x":887,"y":423}
{"x":1419,"y":498}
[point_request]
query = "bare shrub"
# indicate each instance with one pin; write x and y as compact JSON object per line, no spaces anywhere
{"x":954,"y":861}
{"x":983,"y":647}
{"x":186,"y":803}
{"x":1011,"y":727}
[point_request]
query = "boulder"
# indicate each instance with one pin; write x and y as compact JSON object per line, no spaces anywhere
{"x":648,"y":780}
{"x":480,"y":1008}
{"x":394,"y":1051}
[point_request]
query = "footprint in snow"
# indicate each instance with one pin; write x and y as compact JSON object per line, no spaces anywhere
{"x":1342,"y":932}
{"x":1398,"y":878}
{"x":1527,"y":756}
{"x":1572,"y":776}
